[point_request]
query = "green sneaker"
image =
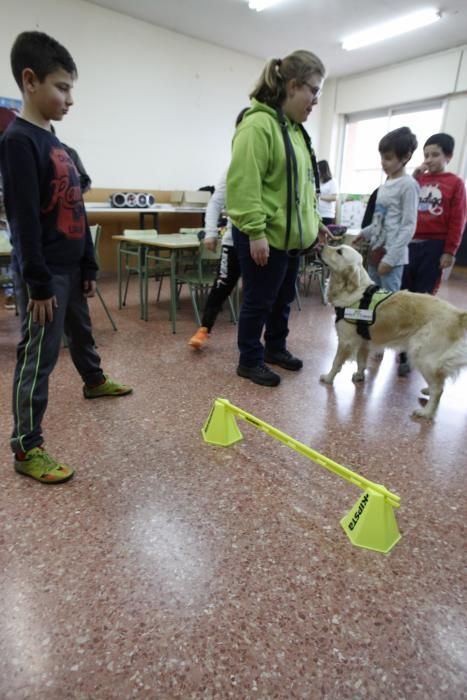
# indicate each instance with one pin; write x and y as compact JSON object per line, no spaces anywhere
{"x":108,"y":388}
{"x":41,"y":466}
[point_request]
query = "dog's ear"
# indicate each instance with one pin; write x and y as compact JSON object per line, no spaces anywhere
{"x":351,"y":278}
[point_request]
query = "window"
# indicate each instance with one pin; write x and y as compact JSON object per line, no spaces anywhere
{"x":361,"y":167}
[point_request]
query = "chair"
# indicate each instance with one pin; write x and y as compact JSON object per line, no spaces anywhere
{"x":201,"y":278}
{"x":131,"y":255}
{"x":96,"y":235}
{"x":298,"y":298}
{"x":313,"y":268}
{"x":131,"y":263}
{"x":6,"y":278}
{"x":188,"y":258}
{"x":155,"y":265}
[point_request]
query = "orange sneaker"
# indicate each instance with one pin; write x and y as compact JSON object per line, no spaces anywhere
{"x":200,"y":338}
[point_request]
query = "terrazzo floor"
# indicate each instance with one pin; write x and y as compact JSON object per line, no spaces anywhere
{"x":170,"y":568}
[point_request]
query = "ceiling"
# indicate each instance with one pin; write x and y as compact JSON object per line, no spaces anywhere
{"x":318,"y":25}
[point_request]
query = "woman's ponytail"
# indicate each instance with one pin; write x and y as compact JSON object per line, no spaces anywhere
{"x":270,"y":87}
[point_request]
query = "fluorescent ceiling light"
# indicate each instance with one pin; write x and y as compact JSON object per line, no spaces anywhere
{"x":259,"y":5}
{"x":389,"y":29}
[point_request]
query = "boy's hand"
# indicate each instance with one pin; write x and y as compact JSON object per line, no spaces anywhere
{"x":419,"y":170}
{"x":210,"y":244}
{"x":89,"y":288}
{"x":42,"y":310}
{"x":445,"y":261}
{"x":384,"y":268}
{"x":259,"y":251}
{"x":358,"y":240}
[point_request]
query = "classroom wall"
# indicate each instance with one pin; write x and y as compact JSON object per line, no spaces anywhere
{"x":440,"y":75}
{"x":153,"y":109}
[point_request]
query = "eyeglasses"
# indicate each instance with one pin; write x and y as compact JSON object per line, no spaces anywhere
{"x":315,"y":91}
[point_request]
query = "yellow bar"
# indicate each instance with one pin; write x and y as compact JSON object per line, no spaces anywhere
{"x":320,"y":459}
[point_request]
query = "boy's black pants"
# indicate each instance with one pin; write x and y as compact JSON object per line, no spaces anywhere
{"x":227,"y":277}
{"x":422,"y":274}
{"x":38,"y":351}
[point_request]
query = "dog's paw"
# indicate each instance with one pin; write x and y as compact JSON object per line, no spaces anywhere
{"x":422,"y":413}
{"x":358,"y":377}
{"x":425,"y":391}
{"x":326,"y":379}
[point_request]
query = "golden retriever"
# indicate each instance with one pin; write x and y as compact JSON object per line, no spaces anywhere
{"x":432,"y":332}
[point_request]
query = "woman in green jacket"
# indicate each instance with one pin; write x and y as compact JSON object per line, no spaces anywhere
{"x":272,"y":202}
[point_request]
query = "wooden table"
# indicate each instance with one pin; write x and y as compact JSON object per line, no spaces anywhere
{"x":171,"y":242}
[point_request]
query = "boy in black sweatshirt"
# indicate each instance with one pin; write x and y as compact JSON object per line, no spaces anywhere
{"x":53,"y":255}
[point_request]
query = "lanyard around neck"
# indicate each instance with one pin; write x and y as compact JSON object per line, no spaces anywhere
{"x":292,"y":175}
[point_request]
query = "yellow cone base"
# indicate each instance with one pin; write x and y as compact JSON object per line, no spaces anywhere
{"x":371,"y":523}
{"x":221,"y":427}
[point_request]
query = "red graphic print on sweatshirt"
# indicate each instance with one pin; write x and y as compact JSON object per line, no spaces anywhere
{"x":66,"y":196}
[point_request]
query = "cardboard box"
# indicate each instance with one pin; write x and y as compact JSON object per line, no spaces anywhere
{"x":189,"y":198}
{"x":195,"y":199}
{"x":176,"y":197}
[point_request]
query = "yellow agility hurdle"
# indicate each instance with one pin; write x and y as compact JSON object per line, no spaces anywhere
{"x":371,"y":523}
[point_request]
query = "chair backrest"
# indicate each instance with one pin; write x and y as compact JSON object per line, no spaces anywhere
{"x":96,"y":231}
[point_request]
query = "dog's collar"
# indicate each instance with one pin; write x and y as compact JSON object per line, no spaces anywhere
{"x":363,"y":311}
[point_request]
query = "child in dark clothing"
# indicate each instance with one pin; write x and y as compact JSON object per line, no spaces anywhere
{"x":53,"y":254}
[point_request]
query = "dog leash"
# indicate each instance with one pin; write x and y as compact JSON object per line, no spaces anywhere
{"x":292,"y":174}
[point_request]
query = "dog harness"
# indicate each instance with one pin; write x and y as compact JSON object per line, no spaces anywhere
{"x":363,"y":312}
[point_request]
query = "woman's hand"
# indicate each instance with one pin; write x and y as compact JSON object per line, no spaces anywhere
{"x":324,"y":234}
{"x":259,"y":251}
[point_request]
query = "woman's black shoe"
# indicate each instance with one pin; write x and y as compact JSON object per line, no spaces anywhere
{"x":284,"y":359}
{"x":259,"y":375}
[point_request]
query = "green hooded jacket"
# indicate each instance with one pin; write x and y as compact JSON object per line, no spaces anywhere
{"x":257,"y":181}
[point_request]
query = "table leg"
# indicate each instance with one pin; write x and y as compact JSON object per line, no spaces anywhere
{"x":155,"y":219}
{"x":119,"y":274}
{"x":143,"y":283}
{"x":173,"y":289}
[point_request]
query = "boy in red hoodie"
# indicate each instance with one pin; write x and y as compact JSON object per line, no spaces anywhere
{"x":441,"y":217}
{"x":440,"y":222}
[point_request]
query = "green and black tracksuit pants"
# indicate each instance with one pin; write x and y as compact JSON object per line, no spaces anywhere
{"x":38,"y":351}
